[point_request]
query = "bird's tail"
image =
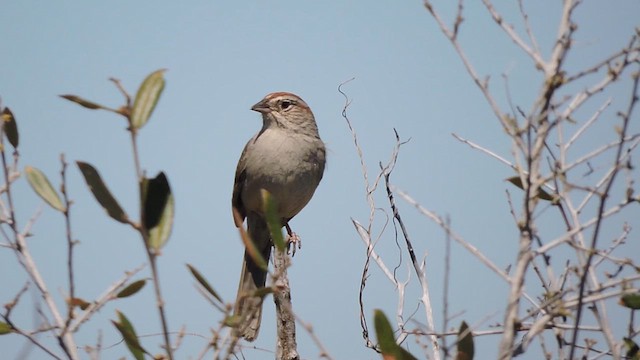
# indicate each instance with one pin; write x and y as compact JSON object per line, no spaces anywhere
{"x":248,"y":307}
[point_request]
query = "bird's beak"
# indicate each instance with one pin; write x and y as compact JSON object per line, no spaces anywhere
{"x":261,"y":107}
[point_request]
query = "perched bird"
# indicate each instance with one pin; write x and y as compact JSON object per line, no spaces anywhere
{"x":286,"y":158}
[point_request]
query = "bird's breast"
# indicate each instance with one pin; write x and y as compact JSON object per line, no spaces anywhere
{"x":289,"y":166}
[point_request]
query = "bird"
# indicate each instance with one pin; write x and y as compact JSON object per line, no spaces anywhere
{"x":286,"y":158}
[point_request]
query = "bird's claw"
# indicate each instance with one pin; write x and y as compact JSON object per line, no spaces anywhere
{"x":293,"y":241}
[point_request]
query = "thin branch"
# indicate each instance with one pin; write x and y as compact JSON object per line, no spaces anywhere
{"x":601,"y":210}
{"x":70,"y":243}
{"x":31,"y":338}
{"x":160,"y":302}
{"x":123,"y":91}
{"x":457,"y":238}
{"x":527,"y":25}
{"x":366,"y":238}
{"x":485,"y":150}
{"x":628,"y":54}
{"x":482,"y":84}
{"x":445,"y":290}
{"x":151,"y":253}
{"x":606,"y":179}
{"x":578,"y":229}
{"x":107,"y":295}
{"x":612,"y":75}
{"x":420,"y":272}
{"x":511,"y":33}
{"x":23,"y":254}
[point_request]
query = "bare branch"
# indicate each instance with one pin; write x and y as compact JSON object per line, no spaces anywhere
{"x":601,"y":209}
{"x":420,"y":271}
{"x":533,"y":53}
{"x":107,"y":296}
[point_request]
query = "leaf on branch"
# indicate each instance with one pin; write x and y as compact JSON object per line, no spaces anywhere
{"x":5,"y":328}
{"x":102,"y":193}
{"x":158,"y":210}
{"x":78,"y":302}
{"x":633,"y":351}
{"x":147,"y":98}
{"x":249,"y":245}
{"x":82,"y":102}
{"x":129,"y":334}
{"x":263,"y":291}
{"x":10,"y":127}
{"x":232,"y":321}
{"x":543,"y":195}
{"x":386,"y":341}
{"x":632,"y":301}
{"x":202,"y":281}
{"x":270,"y":208}
{"x":131,"y":289}
{"x":465,"y":343}
{"x":41,"y":185}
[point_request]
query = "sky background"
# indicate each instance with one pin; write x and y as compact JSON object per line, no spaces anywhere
{"x":222,"y":57}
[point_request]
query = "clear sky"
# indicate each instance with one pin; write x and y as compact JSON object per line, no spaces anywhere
{"x":224,"y":56}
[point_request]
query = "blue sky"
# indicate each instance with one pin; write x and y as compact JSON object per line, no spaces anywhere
{"x":222,"y":57}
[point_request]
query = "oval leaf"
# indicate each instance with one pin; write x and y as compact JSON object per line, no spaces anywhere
{"x":249,"y":245}
{"x":81,"y":303}
{"x":147,"y":98}
{"x":386,"y":341}
{"x":465,"y":343}
{"x":82,"y":102}
{"x":130,"y":338}
{"x":632,"y":301}
{"x":159,"y":209}
{"x":43,"y":188}
{"x":102,"y":193}
{"x":384,"y":333}
{"x":543,"y":195}
{"x":273,"y":220}
{"x":633,"y":351}
{"x":205,"y":284}
{"x":133,"y":288}
{"x":4,"y":328}
{"x":10,"y":127}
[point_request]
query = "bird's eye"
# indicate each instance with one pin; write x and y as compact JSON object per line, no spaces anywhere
{"x":285,"y":104}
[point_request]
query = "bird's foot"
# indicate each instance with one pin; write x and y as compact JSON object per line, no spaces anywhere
{"x":293,"y":241}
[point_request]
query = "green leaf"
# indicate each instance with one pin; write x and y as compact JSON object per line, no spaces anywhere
{"x":232,"y":321}
{"x":131,"y":289}
{"x":129,"y":334}
{"x":10,"y":127}
{"x":82,"y":102}
{"x":41,"y":185}
{"x":102,"y":193}
{"x":273,"y":219}
{"x":386,"y":341}
{"x":159,"y":210}
{"x":249,"y":245}
{"x":5,"y":328}
{"x":465,"y":343}
{"x":633,"y":351}
{"x":262,"y":292}
{"x":384,"y":332}
{"x":632,"y":301}
{"x":515,"y":180}
{"x":205,"y":284}
{"x":147,"y":98}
